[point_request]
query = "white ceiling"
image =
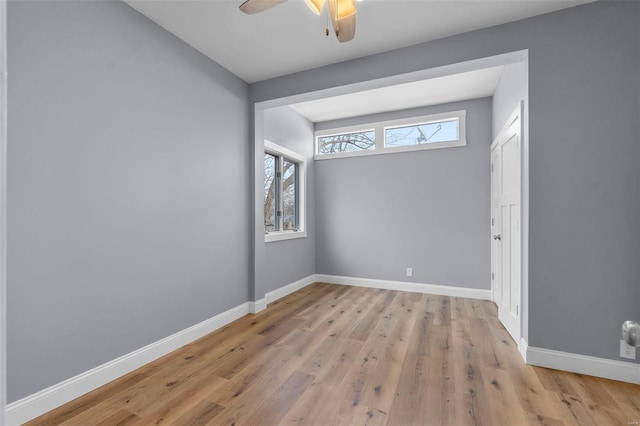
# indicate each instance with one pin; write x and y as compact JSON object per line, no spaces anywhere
{"x":290,"y":38}
{"x":435,"y":91}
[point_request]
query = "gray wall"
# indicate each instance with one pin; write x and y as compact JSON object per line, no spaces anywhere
{"x":429,"y":210}
{"x":511,"y":89}
{"x":127,"y":188}
{"x":584,"y":101}
{"x":290,"y":260}
{"x":3,"y":175}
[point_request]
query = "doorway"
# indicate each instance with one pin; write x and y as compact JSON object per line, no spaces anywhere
{"x":506,"y":224}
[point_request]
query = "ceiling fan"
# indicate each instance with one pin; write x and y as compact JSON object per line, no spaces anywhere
{"x":342,"y":13}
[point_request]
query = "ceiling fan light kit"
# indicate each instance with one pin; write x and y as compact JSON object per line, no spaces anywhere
{"x":344,"y":24}
{"x":342,"y":13}
{"x":342,"y":8}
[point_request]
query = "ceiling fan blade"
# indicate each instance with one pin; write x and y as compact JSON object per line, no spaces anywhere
{"x":344,"y":28}
{"x":254,"y":6}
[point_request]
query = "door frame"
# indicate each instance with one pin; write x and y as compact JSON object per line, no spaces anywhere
{"x":524,"y":222}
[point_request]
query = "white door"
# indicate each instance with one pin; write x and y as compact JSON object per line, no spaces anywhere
{"x":506,"y":166}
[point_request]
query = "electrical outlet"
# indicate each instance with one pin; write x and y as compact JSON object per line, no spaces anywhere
{"x":409,"y":272}
{"x":627,"y":351}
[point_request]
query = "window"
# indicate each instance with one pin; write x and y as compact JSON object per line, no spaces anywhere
{"x":348,"y":142}
{"x":418,"y":134}
{"x":283,"y":193}
{"x":270,"y":191}
{"x":409,"y":134}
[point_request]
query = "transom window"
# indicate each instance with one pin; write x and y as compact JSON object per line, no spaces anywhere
{"x":408,"y":134}
{"x":283,"y":193}
{"x":423,"y":133}
{"x":347,"y":142}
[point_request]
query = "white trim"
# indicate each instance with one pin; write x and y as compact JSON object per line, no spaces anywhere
{"x":46,"y":400}
{"x":274,"y":295}
{"x":443,"y":290}
{"x":523,"y":347}
{"x":3,"y":207}
{"x":281,"y":150}
{"x":283,"y":235}
{"x":258,"y":306}
{"x":582,"y":364}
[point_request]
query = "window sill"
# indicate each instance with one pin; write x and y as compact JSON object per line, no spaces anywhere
{"x":281,"y":236}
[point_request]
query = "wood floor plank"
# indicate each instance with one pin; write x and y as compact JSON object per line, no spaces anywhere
{"x":443,"y":311}
{"x":272,"y":411}
{"x":442,"y":405}
{"x":121,"y":418}
{"x":459,"y":309}
{"x":81,"y":405}
{"x":626,"y":395}
{"x":504,"y":400}
{"x":339,"y":355}
{"x":314,"y":407}
{"x":468,"y":378}
{"x":367,"y":324}
{"x":601,"y":406}
{"x":409,"y":404}
{"x":257,"y":379}
{"x":155,"y":412}
{"x":340,"y":323}
{"x":201,"y":414}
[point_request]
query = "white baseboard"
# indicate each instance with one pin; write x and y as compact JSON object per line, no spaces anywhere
{"x":274,"y":295}
{"x":443,"y":290}
{"x":600,"y":367}
{"x":523,"y":348}
{"x":258,"y":305}
{"x":50,"y":398}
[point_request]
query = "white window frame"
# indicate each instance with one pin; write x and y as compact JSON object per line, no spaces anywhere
{"x":380,"y":128}
{"x":282,"y":152}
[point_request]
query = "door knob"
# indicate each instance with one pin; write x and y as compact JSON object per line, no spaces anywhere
{"x":497,"y":237}
{"x":631,"y":333}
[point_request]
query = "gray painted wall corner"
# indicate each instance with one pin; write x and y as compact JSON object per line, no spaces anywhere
{"x":428,"y":210}
{"x":291,"y":260}
{"x":127,"y":188}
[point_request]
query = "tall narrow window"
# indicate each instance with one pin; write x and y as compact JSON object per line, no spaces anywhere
{"x":270,"y":192}
{"x":283,"y":193}
{"x":289,"y":195}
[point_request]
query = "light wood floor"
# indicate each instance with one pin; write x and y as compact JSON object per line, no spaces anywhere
{"x":329,"y":355}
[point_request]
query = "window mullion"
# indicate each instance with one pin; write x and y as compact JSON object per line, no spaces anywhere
{"x":279,"y":194}
{"x":297,"y":197}
{"x":379,"y":138}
